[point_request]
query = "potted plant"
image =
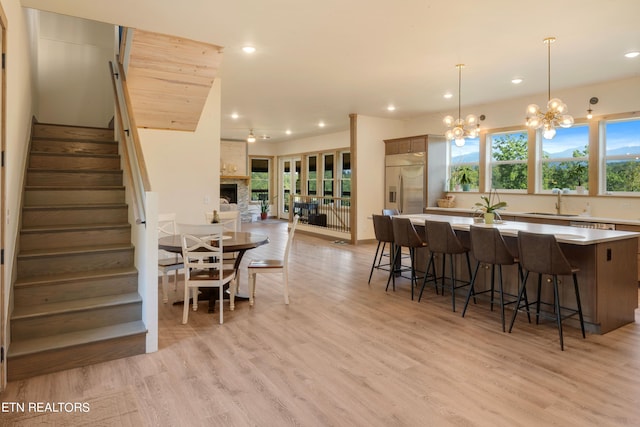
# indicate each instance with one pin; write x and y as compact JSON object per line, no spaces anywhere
{"x":464,"y":177}
{"x":576,"y":173}
{"x":265,"y":204}
{"x":264,"y":208}
{"x":489,"y":207}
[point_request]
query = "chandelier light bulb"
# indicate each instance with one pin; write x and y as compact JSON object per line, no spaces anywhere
{"x":549,"y":133}
{"x":533,"y":109}
{"x":459,"y":142}
{"x":471,"y":119}
{"x":448,"y":121}
{"x":566,"y":121}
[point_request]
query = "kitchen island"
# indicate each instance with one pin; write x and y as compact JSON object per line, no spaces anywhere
{"x":606,"y":259}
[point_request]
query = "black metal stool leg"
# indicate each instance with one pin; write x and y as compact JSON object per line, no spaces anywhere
{"x":471,"y":290}
{"x":557,"y":307}
{"x":575,"y":285}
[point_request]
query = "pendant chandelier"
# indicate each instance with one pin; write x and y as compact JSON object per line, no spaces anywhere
{"x":460,"y":129}
{"x":556,"y":109}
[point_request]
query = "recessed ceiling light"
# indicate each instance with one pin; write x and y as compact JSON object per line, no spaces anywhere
{"x":234,"y":116}
{"x":448,"y":95}
{"x":248,"y":49}
{"x":288,"y":132}
{"x":632,"y":54}
{"x":321,"y":124}
{"x":516,"y":81}
{"x":391,"y":108}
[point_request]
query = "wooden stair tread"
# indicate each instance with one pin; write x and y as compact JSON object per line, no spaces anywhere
{"x":68,"y":277}
{"x":74,"y":155}
{"x":25,"y":347}
{"x":76,"y":171}
{"x":75,"y":187}
{"x":74,"y":250}
{"x":72,"y":140}
{"x":64,"y":228}
{"x":84,"y":304}
{"x":74,"y":207}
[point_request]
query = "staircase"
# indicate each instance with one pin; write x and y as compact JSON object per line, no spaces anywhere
{"x":76,"y":298}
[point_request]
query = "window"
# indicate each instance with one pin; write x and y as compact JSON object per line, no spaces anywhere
{"x":622,"y":155}
{"x":259,"y":179}
{"x":327,"y":176}
{"x":345,"y":176}
{"x":565,"y":161}
{"x":312,"y":175}
{"x":509,"y":154}
{"x":464,"y":165}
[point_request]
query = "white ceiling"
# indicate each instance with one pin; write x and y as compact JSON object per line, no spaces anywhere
{"x":322,"y":60}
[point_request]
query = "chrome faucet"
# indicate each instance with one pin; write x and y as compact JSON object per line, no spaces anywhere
{"x":559,"y":203}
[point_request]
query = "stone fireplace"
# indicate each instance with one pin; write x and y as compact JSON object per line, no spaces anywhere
{"x":239,"y":186}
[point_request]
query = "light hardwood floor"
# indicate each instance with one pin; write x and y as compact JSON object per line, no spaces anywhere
{"x":347,"y":354}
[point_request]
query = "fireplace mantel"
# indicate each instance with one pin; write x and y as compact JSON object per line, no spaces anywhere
{"x":241,"y":177}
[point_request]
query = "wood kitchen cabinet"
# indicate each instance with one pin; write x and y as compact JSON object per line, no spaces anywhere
{"x":625,"y":227}
{"x":413,"y":144}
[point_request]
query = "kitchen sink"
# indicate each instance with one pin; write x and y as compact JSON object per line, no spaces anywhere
{"x":548,"y":214}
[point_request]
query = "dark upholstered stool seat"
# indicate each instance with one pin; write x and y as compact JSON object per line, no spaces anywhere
{"x":405,"y":235}
{"x":488,"y":247}
{"x":384,"y":234}
{"x":541,"y":253}
{"x":441,"y":239}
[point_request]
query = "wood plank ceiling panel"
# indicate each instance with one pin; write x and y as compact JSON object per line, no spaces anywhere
{"x":169,"y":79}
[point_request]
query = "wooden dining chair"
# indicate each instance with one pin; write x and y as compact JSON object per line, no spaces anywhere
{"x":272,"y":266}
{"x":168,"y":262}
{"x":202,"y":256}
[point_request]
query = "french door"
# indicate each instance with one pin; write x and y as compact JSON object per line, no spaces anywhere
{"x":289,"y":179}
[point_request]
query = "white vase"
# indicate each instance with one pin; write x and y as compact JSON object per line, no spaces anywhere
{"x":580,"y":189}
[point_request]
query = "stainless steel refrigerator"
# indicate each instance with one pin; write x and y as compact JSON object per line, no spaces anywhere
{"x":405,"y":182}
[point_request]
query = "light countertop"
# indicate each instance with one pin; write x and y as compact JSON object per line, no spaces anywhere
{"x":564,"y":234}
{"x":567,"y":217}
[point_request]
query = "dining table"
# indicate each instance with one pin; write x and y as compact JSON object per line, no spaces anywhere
{"x":238,"y":242}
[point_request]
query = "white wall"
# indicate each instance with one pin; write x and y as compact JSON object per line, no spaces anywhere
{"x":19,"y":104}
{"x":371,"y":133}
{"x":298,"y":146}
{"x":184,"y":167}
{"x":74,"y":86}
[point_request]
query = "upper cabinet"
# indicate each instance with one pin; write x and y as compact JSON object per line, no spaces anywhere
{"x":413,"y":144}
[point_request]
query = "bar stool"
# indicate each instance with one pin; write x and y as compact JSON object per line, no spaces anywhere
{"x":488,"y":247}
{"x":404,"y":235}
{"x":384,"y":234}
{"x":541,"y":253}
{"x":441,"y":239}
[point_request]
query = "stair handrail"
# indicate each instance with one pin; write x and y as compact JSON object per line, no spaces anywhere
{"x":132,"y":153}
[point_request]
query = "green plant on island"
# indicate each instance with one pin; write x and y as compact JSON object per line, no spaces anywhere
{"x":490,"y":204}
